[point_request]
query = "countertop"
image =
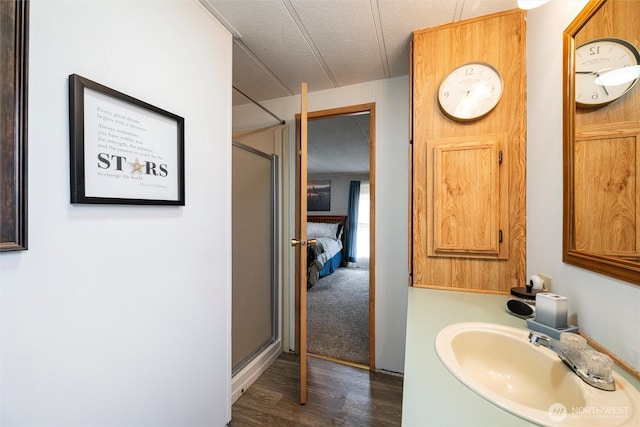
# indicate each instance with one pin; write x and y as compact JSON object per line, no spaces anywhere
{"x":432,"y":395}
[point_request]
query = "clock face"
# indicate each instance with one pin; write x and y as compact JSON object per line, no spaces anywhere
{"x":470,"y":91}
{"x":597,"y":63}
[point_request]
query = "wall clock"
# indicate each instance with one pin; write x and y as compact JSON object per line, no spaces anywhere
{"x":598,"y":63}
{"x":470,"y":91}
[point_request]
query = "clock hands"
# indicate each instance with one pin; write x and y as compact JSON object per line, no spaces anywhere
{"x":604,"y":88}
{"x":619,"y":76}
{"x":597,"y":74}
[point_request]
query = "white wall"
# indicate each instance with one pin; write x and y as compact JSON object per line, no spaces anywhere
{"x":120,"y":315}
{"x":607,"y":310}
{"x":392,"y":110}
{"x":339,"y":191}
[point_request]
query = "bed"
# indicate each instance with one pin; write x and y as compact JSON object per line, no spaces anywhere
{"x":327,"y":255}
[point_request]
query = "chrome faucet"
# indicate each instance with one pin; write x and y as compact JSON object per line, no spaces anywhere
{"x":539,"y":339}
{"x":592,"y":367}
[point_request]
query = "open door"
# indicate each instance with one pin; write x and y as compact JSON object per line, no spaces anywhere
{"x":300,"y":242}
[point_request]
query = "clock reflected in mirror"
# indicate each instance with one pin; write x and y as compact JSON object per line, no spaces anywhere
{"x":606,"y":70}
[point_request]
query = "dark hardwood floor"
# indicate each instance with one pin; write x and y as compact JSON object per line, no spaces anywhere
{"x":338,"y":395}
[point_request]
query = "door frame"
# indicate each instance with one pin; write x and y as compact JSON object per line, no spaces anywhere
{"x":324,"y":114}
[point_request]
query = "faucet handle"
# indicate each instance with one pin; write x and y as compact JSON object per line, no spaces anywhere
{"x":598,"y":365}
{"x":574,"y":346}
{"x":573,"y":341}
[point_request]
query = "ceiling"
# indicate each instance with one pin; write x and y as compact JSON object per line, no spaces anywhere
{"x":329,"y":44}
{"x":338,"y":145}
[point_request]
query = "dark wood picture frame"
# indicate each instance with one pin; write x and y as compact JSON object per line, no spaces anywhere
{"x":14,"y":42}
{"x":122,"y":150}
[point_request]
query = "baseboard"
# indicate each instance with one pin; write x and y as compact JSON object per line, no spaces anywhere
{"x":250,"y":373}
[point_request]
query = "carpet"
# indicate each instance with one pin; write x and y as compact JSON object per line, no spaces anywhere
{"x":338,"y":316}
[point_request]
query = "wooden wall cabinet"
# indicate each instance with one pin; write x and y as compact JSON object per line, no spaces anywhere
{"x":468,"y":177}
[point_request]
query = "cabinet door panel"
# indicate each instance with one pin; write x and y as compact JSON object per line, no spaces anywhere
{"x":606,"y":181}
{"x":466,"y":199}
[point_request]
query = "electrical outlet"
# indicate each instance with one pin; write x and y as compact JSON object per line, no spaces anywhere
{"x":547,"y":281}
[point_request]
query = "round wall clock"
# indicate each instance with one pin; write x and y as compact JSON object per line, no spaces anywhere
{"x":598,"y":63}
{"x":470,"y":91}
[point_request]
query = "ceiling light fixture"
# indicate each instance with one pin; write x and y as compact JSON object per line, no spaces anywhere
{"x":530,"y":4}
{"x":618,"y":77}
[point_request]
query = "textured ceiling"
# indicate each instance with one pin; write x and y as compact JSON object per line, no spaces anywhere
{"x":330,"y":43}
{"x":338,"y":145}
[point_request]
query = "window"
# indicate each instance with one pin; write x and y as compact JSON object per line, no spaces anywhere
{"x":362,"y":241}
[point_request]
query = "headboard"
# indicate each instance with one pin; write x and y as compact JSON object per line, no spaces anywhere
{"x":331,"y":219}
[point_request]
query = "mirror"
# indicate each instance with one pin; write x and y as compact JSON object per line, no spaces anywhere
{"x":601,"y":148}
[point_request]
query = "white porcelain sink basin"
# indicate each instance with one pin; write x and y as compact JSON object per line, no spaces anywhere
{"x":500,"y":364}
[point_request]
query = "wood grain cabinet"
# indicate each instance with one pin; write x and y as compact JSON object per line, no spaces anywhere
{"x":606,"y":213}
{"x":468,"y":175}
{"x":468,"y":215}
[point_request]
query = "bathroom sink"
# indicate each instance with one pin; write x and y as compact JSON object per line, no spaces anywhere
{"x":501,"y":365}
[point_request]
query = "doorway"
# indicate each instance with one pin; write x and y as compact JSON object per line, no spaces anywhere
{"x":334,"y":157}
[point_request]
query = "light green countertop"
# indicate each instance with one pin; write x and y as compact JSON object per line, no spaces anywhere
{"x":432,"y":395}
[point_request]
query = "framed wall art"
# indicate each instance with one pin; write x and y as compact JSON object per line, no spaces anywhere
{"x":14,"y":20}
{"x":319,"y":195}
{"x":123,"y":150}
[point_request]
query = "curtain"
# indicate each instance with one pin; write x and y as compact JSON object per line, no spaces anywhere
{"x":352,"y":221}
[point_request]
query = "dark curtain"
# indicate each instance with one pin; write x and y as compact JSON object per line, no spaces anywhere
{"x":352,"y":221}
